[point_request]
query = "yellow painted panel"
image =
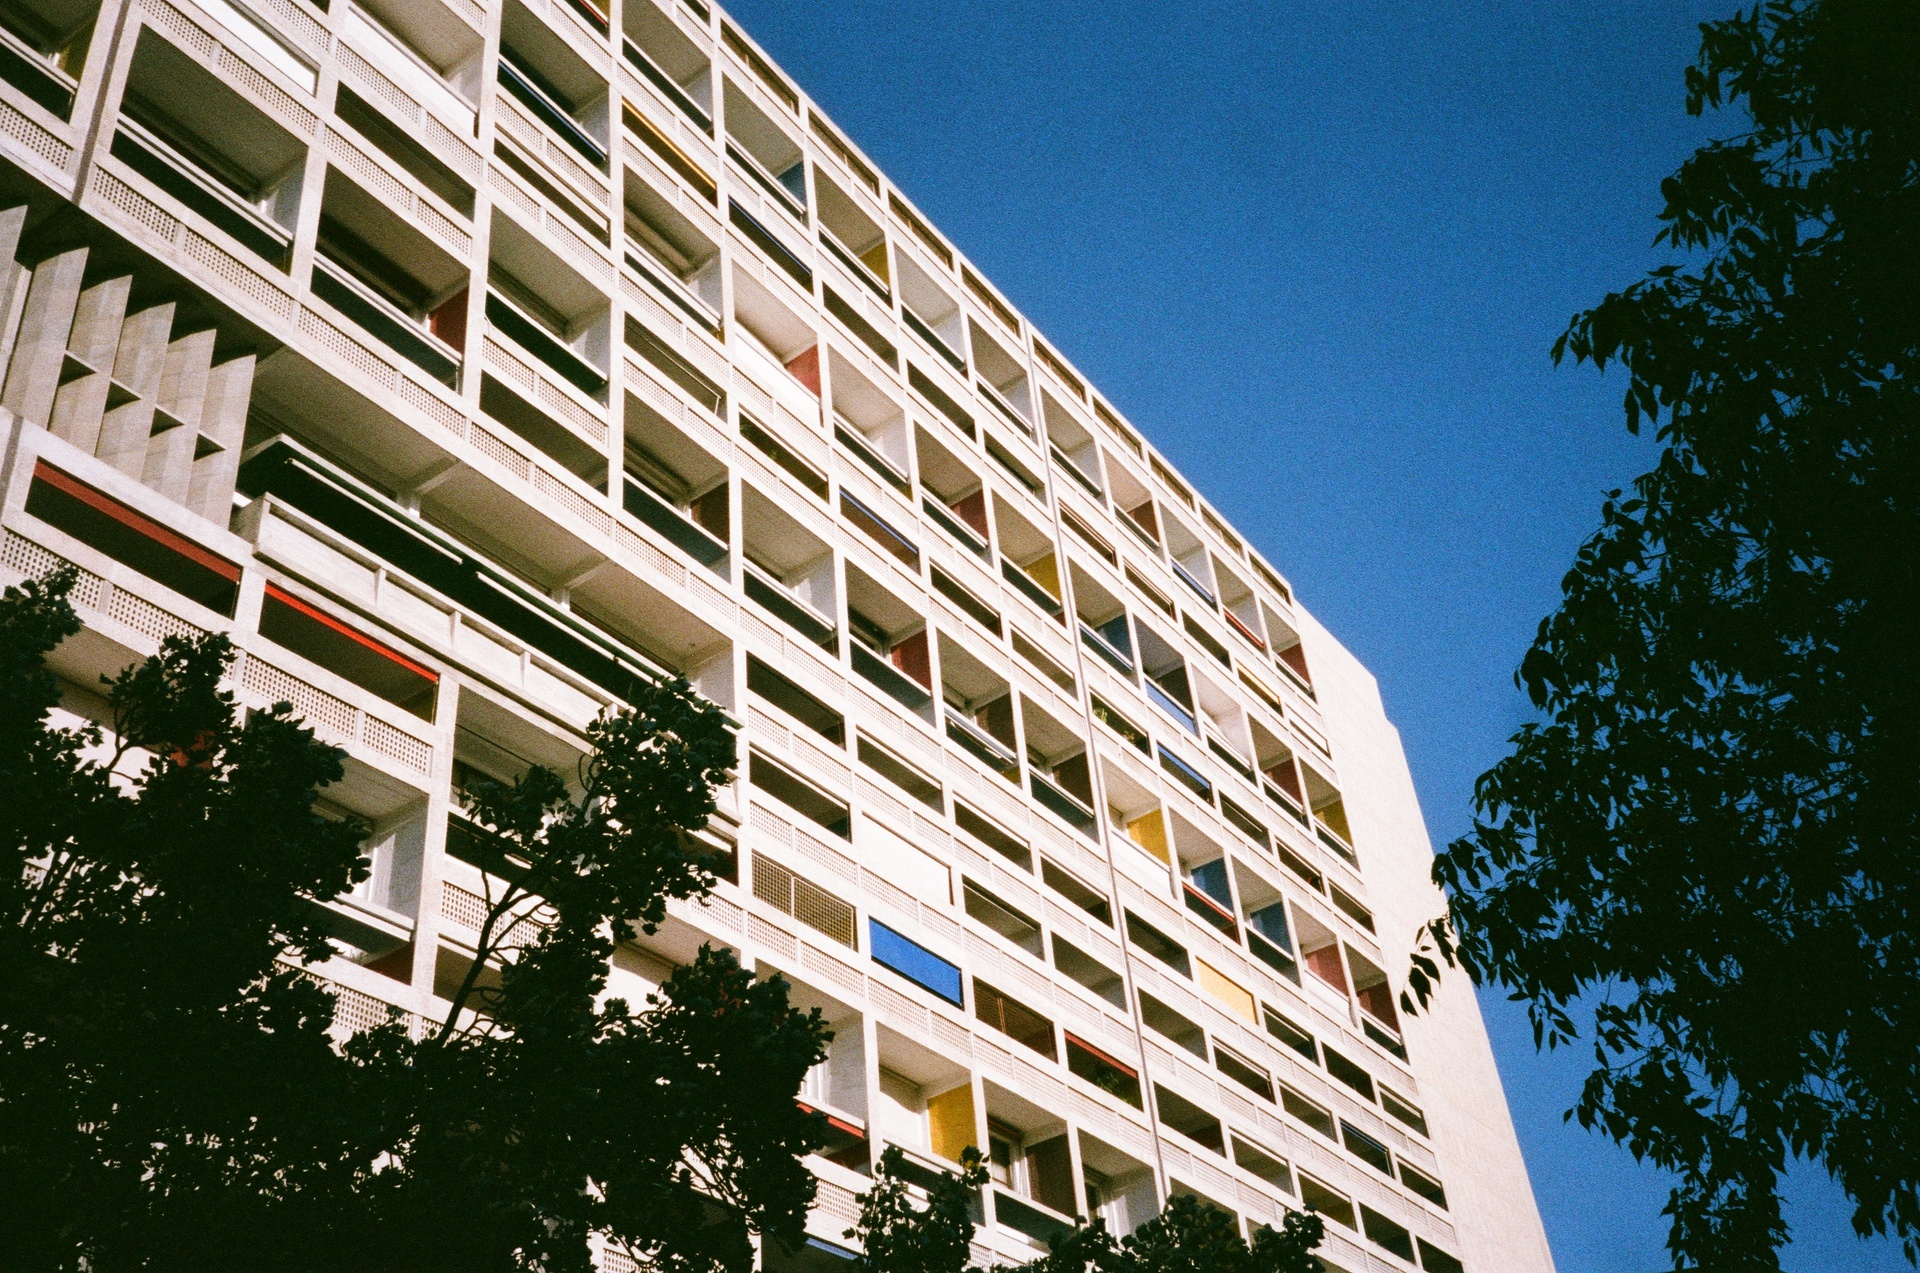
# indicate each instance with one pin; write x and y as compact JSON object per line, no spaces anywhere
{"x":950,"y":1122}
{"x":1149,"y":831}
{"x":1228,"y":991}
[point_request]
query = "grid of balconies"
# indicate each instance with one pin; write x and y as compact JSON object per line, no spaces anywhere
{"x":611,"y":359}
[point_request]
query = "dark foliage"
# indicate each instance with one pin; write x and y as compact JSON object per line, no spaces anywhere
{"x":170,"y":1091}
{"x":1710,"y":836}
{"x":901,"y":1234}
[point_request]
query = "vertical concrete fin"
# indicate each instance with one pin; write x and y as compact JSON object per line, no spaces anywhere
{"x":92,"y":347}
{"x":223,"y":428}
{"x":40,"y":351}
{"x":168,"y":466}
{"x":137,"y":367}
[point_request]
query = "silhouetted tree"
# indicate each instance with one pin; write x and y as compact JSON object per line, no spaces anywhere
{"x":1709,"y":838}
{"x":170,"y":1094}
{"x":900,"y":1234}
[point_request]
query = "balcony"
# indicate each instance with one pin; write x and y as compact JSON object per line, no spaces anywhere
{"x":412,"y":548}
{"x":671,"y":523}
{"x":766,"y":592}
{"x":764,"y":239}
{"x":1198,"y":589}
{"x":513,"y":322}
{"x":1171,"y":706}
{"x":1210,"y":912}
{"x":233,"y":205}
{"x":374,"y":315}
{"x":399,"y":287}
{"x":38,"y":56}
{"x":957,"y":530}
{"x":880,"y":531}
{"x":989,"y":750}
{"x":761,"y":149}
{"x":682,"y":101}
{"x":527,"y":86}
{"x":1030,"y":588}
{"x":1058,"y":801}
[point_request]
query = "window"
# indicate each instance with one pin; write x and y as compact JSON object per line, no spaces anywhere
{"x":1158,"y":944}
{"x":1013,"y":1019}
{"x":1402,"y":1110}
{"x":1172,"y":1026}
{"x":1290,"y":1034}
{"x":986,"y":909}
{"x":1264,"y":1165}
{"x":1424,"y":1185}
{"x":1243,"y":1072}
{"x":1327,"y":1202}
{"x":802,"y":797}
{"x":1349,"y":1073}
{"x":1386,"y":1234}
{"x":1434,"y":1260}
{"x":1090,"y":900}
{"x":1366,"y":1149}
{"x":763,"y":682}
{"x":1096,"y":1067}
{"x":1007,"y":846}
{"x":901,"y":774}
{"x":1307,"y":1112}
{"x":1089,"y":972}
{"x":132,"y":539}
{"x":294,"y":625}
{"x":1189,"y":1119}
{"x":900,"y":954}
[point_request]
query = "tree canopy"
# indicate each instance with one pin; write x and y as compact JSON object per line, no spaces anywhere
{"x":170,"y":1089}
{"x":900,"y":1233}
{"x":1708,"y":838}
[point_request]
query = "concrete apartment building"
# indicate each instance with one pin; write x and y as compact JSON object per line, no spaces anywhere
{"x":465,"y":359}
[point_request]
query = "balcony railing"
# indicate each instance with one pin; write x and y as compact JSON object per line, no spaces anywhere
{"x":27,"y":70}
{"x":850,"y":437}
{"x":991,"y":751}
{"x":880,"y":531}
{"x":1199,"y":589}
{"x":964,"y":534}
{"x":1287,"y":803}
{"x":373,"y":314}
{"x":520,"y":85}
{"x":1111,"y":654}
{"x":891,"y":681}
{"x":933,"y":340}
{"x":1077,"y":473}
{"x":1195,"y":781}
{"x":1028,"y":587}
{"x":676,"y":292}
{"x":650,"y":69}
{"x":857,"y":267}
{"x":536,"y":340}
{"x":1062,"y":803}
{"x":1140,"y":532}
{"x":777,"y":601}
{"x":167,"y":168}
{"x":1334,"y":842}
{"x":672,"y":524}
{"x":777,"y":252}
{"x":1232,"y":760}
{"x":1005,"y":408}
{"x":1172,"y":707}
{"x":1273,"y":957}
{"x":1239,"y":626}
{"x":1211,"y":911}
{"x":794,"y":205}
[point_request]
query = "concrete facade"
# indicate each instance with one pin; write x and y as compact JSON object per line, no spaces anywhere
{"x":466,"y":359}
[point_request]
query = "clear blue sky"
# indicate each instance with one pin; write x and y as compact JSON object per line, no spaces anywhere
{"x":1318,"y":252}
